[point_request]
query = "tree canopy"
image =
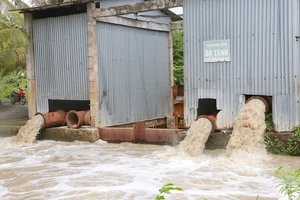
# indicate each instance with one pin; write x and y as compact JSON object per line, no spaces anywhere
{"x":13,"y":38}
{"x":178,"y":56}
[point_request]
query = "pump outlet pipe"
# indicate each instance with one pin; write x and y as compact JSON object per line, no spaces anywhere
{"x":212,"y":118}
{"x":53,"y":119}
{"x":75,"y":119}
{"x":267,"y":106}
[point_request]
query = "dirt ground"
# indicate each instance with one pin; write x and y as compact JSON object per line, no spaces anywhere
{"x":13,"y":113}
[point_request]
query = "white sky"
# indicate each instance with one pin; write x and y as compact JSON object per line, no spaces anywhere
{"x":177,"y":10}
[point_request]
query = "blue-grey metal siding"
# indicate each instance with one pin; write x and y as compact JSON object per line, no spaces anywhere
{"x":264,"y":57}
{"x":60,"y":55}
{"x":151,"y":16}
{"x":133,"y":74}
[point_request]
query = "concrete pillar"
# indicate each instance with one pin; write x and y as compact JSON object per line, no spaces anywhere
{"x":30,"y":66}
{"x":93,"y":65}
{"x":171,"y":69}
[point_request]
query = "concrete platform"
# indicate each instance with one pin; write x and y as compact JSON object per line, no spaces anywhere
{"x":70,"y":135}
{"x":9,"y":131}
{"x":58,"y":133}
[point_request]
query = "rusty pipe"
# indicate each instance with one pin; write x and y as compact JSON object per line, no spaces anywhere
{"x":52,"y":119}
{"x":87,"y":118}
{"x":212,"y":118}
{"x":261,"y":99}
{"x":75,"y":119}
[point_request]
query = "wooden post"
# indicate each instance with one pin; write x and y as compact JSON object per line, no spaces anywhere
{"x":93,"y":65}
{"x":30,"y":66}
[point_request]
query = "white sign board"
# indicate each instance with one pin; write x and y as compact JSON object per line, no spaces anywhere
{"x":216,"y":51}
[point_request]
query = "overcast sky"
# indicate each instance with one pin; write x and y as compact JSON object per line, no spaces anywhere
{"x":177,"y":10}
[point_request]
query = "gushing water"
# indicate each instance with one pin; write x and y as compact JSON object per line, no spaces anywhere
{"x":247,"y":135}
{"x":249,"y":128}
{"x":196,"y":137}
{"x":27,"y":133}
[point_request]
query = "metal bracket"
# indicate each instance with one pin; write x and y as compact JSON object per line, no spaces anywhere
{"x":297,"y":38}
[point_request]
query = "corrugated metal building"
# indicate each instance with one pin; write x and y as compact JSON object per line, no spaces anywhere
{"x":134,"y":70}
{"x":235,"y":49}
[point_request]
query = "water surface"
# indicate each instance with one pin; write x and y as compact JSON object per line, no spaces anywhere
{"x":82,"y":170}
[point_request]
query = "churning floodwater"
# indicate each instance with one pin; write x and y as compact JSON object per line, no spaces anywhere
{"x":80,"y":170}
{"x":28,"y":133}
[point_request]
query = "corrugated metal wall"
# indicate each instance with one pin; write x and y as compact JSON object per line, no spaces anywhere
{"x":264,"y":57}
{"x":111,"y":3}
{"x":60,"y":56}
{"x":133,"y":74}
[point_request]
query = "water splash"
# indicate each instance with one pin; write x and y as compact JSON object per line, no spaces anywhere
{"x":249,"y":128}
{"x":247,"y":135}
{"x":197,"y":135}
{"x":27,"y":133}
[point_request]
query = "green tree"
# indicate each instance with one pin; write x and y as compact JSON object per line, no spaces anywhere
{"x":13,"y":40}
{"x":178,"y":56}
{"x":178,"y":47}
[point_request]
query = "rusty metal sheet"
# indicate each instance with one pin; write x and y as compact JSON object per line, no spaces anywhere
{"x":141,"y":135}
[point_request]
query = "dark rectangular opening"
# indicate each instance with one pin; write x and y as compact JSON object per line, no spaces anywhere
{"x":207,"y":107}
{"x":67,"y":105}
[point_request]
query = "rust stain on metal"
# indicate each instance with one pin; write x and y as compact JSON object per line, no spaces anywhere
{"x":53,"y":119}
{"x":141,"y":134}
{"x":75,"y":119}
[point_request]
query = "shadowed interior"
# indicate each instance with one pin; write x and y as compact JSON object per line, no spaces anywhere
{"x":73,"y":119}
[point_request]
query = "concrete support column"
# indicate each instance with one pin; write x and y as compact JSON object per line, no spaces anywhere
{"x":93,"y":65}
{"x":171,"y":69}
{"x":30,"y":66}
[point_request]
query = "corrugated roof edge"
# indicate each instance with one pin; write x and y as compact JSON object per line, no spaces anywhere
{"x":65,"y":4}
{"x":173,"y":15}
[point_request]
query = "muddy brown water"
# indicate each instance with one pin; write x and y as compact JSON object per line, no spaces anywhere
{"x":80,"y":170}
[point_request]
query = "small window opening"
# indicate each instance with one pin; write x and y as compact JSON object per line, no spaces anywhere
{"x":207,"y":107}
{"x":67,"y":105}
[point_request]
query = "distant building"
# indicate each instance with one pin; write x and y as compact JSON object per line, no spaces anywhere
{"x":124,"y":74}
{"x":238,"y":49}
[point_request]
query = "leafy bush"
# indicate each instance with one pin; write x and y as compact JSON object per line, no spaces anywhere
{"x":178,"y":75}
{"x":290,"y":147}
{"x":166,"y":190}
{"x":178,"y":56}
{"x":269,"y":122}
{"x":289,"y":182}
{"x":10,"y":83}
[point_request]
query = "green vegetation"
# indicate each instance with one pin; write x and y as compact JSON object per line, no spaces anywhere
{"x":13,"y":40}
{"x":290,"y":147}
{"x":166,"y":190}
{"x":10,"y":83}
{"x":269,"y":122}
{"x":289,"y":182}
{"x":178,"y":57}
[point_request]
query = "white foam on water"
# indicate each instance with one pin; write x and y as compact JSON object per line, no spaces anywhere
{"x":81,"y":170}
{"x":27,"y":133}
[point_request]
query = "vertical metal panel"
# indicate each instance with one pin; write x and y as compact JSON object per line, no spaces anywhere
{"x":264,"y":57}
{"x":60,"y":55}
{"x":133,"y":74}
{"x":111,"y":3}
